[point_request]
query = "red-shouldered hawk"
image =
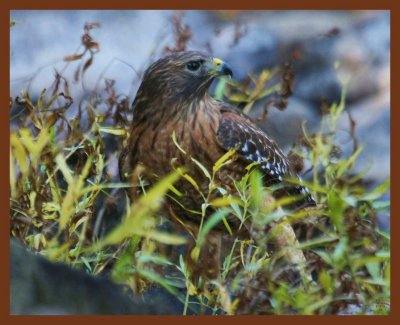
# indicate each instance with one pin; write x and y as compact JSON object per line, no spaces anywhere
{"x":173,"y":98}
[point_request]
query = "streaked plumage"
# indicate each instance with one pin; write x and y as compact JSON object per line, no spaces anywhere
{"x":174,"y":98}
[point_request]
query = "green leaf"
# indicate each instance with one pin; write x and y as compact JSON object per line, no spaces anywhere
{"x":378,"y":191}
{"x":348,"y":163}
{"x":340,"y":249}
{"x":370,"y":260}
{"x":336,"y":206}
{"x":154,"y":258}
{"x":75,"y":186}
{"x":154,"y":277}
{"x":320,"y":241}
{"x":112,"y":130}
{"x":203,"y":169}
{"x":374,"y":269}
{"x":19,"y":153}
{"x":381,"y":205}
{"x":326,"y":257}
{"x":137,"y":220}
{"x":176,"y":143}
{"x":65,"y":170}
{"x":220,"y":89}
{"x":164,"y":237}
{"x":326,"y":281}
{"x":223,"y":160}
{"x":211,"y":222}
{"x":86,"y":262}
{"x":256,"y":188}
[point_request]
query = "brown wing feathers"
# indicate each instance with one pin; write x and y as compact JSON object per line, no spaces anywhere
{"x":253,"y":145}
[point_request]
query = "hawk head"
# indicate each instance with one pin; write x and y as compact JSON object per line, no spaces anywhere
{"x":183,"y":75}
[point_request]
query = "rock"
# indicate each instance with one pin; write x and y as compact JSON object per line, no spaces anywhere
{"x":256,"y":49}
{"x":286,"y":126}
{"x":363,"y":53}
{"x":372,"y":117}
{"x":41,"y":287}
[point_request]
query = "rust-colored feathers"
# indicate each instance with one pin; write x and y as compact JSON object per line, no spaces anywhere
{"x":173,"y":98}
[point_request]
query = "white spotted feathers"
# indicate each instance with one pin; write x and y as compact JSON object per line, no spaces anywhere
{"x":253,"y":145}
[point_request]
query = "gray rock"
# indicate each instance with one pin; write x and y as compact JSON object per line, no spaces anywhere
{"x":372,"y":117}
{"x":286,"y":126}
{"x":40,"y":287}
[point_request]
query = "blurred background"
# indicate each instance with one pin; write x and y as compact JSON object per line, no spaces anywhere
{"x":326,"y":48}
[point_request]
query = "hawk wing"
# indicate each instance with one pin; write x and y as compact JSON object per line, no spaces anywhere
{"x":237,"y":131}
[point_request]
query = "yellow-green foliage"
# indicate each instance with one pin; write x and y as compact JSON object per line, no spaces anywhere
{"x":52,"y":210}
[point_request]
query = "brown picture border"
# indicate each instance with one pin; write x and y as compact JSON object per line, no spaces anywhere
{"x":7,"y":5}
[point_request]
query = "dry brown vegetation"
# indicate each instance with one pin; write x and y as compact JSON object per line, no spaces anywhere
{"x":59,"y":178}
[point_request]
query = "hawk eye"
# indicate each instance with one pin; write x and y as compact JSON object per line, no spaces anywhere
{"x":193,"y":65}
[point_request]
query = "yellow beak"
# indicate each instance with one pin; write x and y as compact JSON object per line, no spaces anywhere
{"x":220,"y":68}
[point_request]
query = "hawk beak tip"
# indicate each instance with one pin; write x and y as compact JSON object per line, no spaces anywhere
{"x":225,"y":70}
{"x":222,"y":68}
